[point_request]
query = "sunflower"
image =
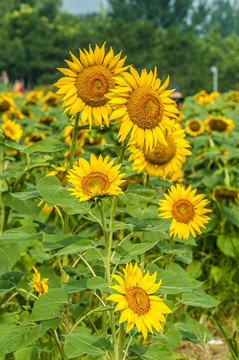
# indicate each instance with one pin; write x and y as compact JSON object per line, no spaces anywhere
{"x":194,"y":127}
{"x":143,"y":106}
{"x":46,"y":209}
{"x":33,"y":138}
{"x":51,"y":99}
{"x":39,"y":285}
{"x":60,"y":173}
{"x":222,"y":193}
{"x":164,"y":160}
{"x":68,"y":132}
{"x":99,"y":177}
{"x":219,"y":123}
{"x":47,"y":119}
{"x":6,"y":104}
{"x":139,"y":306}
{"x":187,"y":210}
{"x":27,"y":112}
{"x":12,"y":130}
{"x":87,"y":81}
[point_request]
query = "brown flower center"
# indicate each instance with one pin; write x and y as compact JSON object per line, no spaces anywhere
{"x":61,"y":175}
{"x":162,"y":154}
{"x":35,"y":138}
{"x":145,"y":108}
{"x":217,"y":124}
{"x":95,"y":183}
{"x":194,"y":125}
{"x":183,"y":211}
{"x":226,"y":194}
{"x":4,"y":105}
{"x":138,"y":300}
{"x":93,"y":83}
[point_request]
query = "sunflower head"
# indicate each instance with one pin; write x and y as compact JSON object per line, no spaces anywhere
{"x":223,"y":193}
{"x":187,"y":210}
{"x":95,"y":178}
{"x":87,"y":81}
{"x":142,"y":108}
{"x":33,"y":138}
{"x":135,"y":298}
{"x":47,"y":119}
{"x":27,"y":112}
{"x":46,"y":209}
{"x":51,"y":99}
{"x":12,"y":130}
{"x":61,"y":174}
{"x":6,"y":104}
{"x":219,"y":123}
{"x":81,"y":136}
{"x":39,"y":285}
{"x":194,"y":127}
{"x":163,"y":160}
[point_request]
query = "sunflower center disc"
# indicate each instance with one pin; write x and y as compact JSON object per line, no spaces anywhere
{"x":138,"y":300}
{"x":93,"y":83}
{"x":145,"y":108}
{"x":95,"y":182}
{"x":162,"y":154}
{"x":35,"y":138}
{"x":194,"y":126}
{"x":226,"y":194}
{"x":217,"y":124}
{"x":183,"y":211}
{"x":4,"y":106}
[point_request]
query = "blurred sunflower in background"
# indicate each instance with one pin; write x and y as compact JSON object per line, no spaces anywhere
{"x":219,"y":123}
{"x":51,"y":99}
{"x":68,"y":133}
{"x":95,"y":178}
{"x":6,"y":104}
{"x":225,"y":193}
{"x":12,"y":130}
{"x":46,"y":119}
{"x":194,"y":127}
{"x":33,"y":138}
{"x":187,"y":210}
{"x":135,"y":298}
{"x":87,"y":81}
{"x":142,"y":108}
{"x":163,"y":160}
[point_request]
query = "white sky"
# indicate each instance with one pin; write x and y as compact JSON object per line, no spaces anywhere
{"x":82,"y":6}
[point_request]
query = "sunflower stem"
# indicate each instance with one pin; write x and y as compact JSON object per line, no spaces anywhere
{"x":121,"y":340}
{"x":1,"y":182}
{"x":227,"y":176}
{"x":70,"y":166}
{"x":146,"y":184}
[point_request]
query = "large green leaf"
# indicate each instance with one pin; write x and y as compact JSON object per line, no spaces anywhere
{"x":29,"y":353}
{"x":231,"y":214}
{"x":28,"y":207}
{"x":53,"y":193}
{"x":47,"y":145}
{"x":229,"y":244}
{"x":49,"y":305}
{"x":192,"y":330}
{"x":79,"y":344}
{"x":175,"y":280}
{"x":130,"y":250}
{"x":198,"y":298}
{"x":158,"y":352}
{"x":98,"y":282}
{"x":22,"y":233}
{"x":9,"y":280}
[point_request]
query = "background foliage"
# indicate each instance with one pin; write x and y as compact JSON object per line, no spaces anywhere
{"x":184,"y":39}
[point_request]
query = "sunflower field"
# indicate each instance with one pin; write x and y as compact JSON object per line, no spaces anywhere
{"x":119,"y":217}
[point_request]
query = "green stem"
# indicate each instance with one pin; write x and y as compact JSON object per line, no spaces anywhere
{"x":146,"y":184}
{"x":227,"y":176}
{"x":1,"y":182}
{"x":55,"y":337}
{"x":121,"y":340}
{"x":66,"y":217}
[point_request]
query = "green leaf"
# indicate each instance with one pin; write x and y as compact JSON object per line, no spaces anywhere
{"x":130,"y":250}
{"x":78,"y":344}
{"x":74,"y":286}
{"x":158,"y":352}
{"x":171,"y":338}
{"x":49,"y":305}
{"x":77,"y":247}
{"x":14,"y":145}
{"x":47,"y":145}
{"x":98,"y":282}
{"x":192,"y":330}
{"x":22,"y":233}
{"x":29,"y":353}
{"x":58,"y":241}
{"x":28,"y":207}
{"x":53,"y":193}
{"x":228,"y":244}
{"x":175,"y":280}
{"x":198,"y":298}
{"x":231,"y":214}
{"x":9,"y":280}
{"x":25,"y":195}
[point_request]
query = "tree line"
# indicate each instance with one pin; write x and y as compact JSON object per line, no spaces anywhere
{"x":183,"y":38}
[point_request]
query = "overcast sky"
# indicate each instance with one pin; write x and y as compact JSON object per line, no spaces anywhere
{"x":82,"y":6}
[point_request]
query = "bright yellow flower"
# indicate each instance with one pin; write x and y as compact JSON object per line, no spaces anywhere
{"x":142,"y":107}
{"x":99,"y":177}
{"x":87,"y":81}
{"x":46,"y":209}
{"x":39,"y":285}
{"x":187,"y":210}
{"x":6,"y":104}
{"x":164,"y":160}
{"x":12,"y":130}
{"x":68,"y":133}
{"x":194,"y":127}
{"x":61,"y":174}
{"x":219,"y":123}
{"x":135,"y":298}
{"x":51,"y":99}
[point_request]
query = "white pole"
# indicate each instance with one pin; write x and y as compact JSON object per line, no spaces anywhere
{"x":214,"y":71}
